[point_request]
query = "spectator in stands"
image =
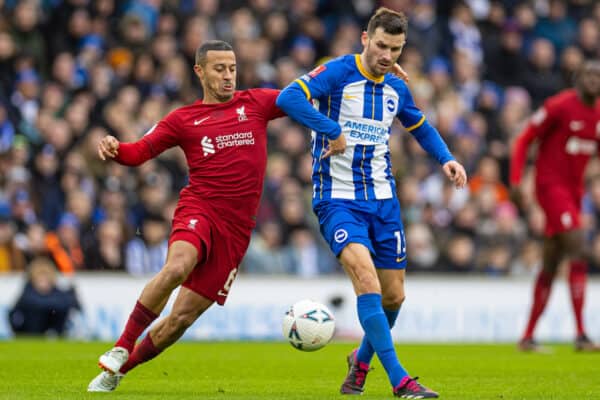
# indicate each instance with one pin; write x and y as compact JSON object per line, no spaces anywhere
{"x":107,"y":254}
{"x":11,"y":257}
{"x":146,"y":254}
{"x":74,"y":72}
{"x":42,"y":307}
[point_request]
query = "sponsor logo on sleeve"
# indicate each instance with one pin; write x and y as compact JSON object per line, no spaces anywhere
{"x":539,"y":116}
{"x":317,"y":71}
{"x":150,"y":130}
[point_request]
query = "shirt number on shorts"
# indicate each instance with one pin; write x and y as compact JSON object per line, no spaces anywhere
{"x":228,"y":282}
{"x":400,"y":242}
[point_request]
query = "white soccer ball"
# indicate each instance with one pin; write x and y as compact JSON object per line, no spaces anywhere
{"x":308,"y":325}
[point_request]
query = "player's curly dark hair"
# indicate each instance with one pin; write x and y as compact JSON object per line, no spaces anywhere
{"x":209,"y":45}
{"x":391,"y":21}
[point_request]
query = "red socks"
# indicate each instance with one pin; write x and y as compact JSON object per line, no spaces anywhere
{"x":139,"y":319}
{"x":577,"y":283}
{"x":541,"y":293}
{"x":143,"y":352}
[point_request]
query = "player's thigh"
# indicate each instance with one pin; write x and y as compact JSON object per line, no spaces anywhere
{"x":392,"y":287}
{"x":214,"y":276}
{"x":190,"y":240}
{"x":561,"y":208}
{"x":183,"y":256}
{"x":573,"y":243}
{"x":387,"y":236}
{"x":341,"y":223}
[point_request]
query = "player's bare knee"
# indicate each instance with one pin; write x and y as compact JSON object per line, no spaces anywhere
{"x":176,"y":270}
{"x":394,"y":301}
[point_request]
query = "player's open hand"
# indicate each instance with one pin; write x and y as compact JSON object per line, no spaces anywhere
{"x":456,"y":173}
{"x":108,"y":147}
{"x":336,"y":146}
{"x":400,"y":72}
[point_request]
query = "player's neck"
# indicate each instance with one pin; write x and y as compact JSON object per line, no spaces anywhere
{"x":210,"y":99}
{"x":586,"y":99}
{"x":363,"y":63}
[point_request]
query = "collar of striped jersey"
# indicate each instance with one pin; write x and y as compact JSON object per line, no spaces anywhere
{"x":366,"y":73}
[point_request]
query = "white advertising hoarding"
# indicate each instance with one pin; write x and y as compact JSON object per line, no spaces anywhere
{"x":440,"y":308}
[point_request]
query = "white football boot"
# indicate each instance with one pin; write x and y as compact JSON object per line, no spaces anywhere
{"x":105,"y":382}
{"x":113,"y":360}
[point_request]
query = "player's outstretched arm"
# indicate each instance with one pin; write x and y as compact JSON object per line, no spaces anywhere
{"x":130,"y":154}
{"x":456,"y":173}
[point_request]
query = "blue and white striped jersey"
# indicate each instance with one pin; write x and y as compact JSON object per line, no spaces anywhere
{"x":364,"y":107}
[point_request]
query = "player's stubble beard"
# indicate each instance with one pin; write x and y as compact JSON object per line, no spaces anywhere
{"x":216,"y":93}
{"x":373,"y":63}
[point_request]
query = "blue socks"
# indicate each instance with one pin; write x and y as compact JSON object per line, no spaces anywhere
{"x":377,"y":333}
{"x":366,"y":351}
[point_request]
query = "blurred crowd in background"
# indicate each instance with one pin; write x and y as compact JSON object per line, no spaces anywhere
{"x":73,"y":71}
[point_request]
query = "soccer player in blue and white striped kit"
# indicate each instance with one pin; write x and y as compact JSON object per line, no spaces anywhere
{"x":354,"y":102}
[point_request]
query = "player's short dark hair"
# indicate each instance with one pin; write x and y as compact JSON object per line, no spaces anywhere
{"x":209,"y":45}
{"x":391,"y":21}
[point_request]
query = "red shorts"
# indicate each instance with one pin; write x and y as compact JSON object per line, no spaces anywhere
{"x":225,"y":246}
{"x":561,"y":206}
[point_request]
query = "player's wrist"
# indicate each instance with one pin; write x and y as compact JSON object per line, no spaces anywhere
{"x":335,"y":135}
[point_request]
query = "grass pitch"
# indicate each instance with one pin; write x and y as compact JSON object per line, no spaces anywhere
{"x":33,"y":369}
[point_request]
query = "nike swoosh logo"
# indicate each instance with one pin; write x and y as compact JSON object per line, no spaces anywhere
{"x":199,"y":121}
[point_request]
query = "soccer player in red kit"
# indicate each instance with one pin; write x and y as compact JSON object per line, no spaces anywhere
{"x":224,"y":140}
{"x":567,"y":129}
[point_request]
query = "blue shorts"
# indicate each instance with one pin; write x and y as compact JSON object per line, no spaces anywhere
{"x":373,"y":223}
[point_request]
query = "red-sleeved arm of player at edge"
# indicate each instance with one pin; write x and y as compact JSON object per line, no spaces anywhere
{"x":519,"y":156}
{"x":159,"y":138}
{"x":539,"y":125}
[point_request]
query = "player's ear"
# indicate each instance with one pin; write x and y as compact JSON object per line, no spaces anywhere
{"x":199,"y":71}
{"x":364,"y":38}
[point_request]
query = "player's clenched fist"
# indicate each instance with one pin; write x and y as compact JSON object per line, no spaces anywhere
{"x":108,"y":147}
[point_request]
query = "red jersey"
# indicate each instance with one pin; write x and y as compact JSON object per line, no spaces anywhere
{"x":568,"y":132}
{"x":225,"y":145}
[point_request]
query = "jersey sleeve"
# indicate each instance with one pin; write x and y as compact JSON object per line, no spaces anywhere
{"x":266,"y":99}
{"x":164,"y":135}
{"x":160,"y":137}
{"x":414,"y":121}
{"x":408,"y":113}
{"x":295,"y":99}
{"x":320,"y":81}
{"x":540,"y":124}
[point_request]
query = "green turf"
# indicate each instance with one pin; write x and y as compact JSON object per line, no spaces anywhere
{"x":32,"y":369}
